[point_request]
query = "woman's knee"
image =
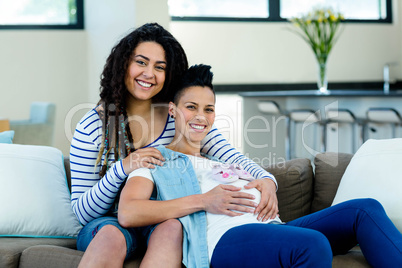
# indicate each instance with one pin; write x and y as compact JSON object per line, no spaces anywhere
{"x":110,"y":231}
{"x":102,"y":233}
{"x":315,"y":249}
{"x":372,"y":203}
{"x":101,"y":227}
{"x":170,"y":229}
{"x":367,"y":205}
{"x":113,"y":236}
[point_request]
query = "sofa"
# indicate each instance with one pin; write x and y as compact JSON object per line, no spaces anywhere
{"x":302,"y":189}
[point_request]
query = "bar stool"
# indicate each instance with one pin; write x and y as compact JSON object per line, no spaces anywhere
{"x":305,"y":117}
{"x":383,"y":116}
{"x":271,"y":107}
{"x":337,"y":117}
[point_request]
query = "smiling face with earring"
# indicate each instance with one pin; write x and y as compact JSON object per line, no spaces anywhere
{"x":145,"y":78}
{"x":145,"y":75}
{"x":194,"y":114}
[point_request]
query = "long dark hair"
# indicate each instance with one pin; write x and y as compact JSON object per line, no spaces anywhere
{"x":116,"y":135}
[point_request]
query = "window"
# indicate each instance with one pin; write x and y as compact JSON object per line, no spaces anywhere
{"x":41,"y":14}
{"x":218,"y":9}
{"x":277,"y":10}
{"x":352,"y":10}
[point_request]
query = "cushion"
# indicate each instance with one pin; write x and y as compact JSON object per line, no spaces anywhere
{"x":353,"y":259}
{"x":7,"y":136}
{"x":11,"y":248}
{"x":34,"y":194}
{"x":329,"y":169}
{"x":53,"y":256}
{"x":375,"y":172}
{"x":295,"y":187}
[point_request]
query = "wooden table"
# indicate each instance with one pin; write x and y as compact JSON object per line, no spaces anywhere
{"x":4,"y":125}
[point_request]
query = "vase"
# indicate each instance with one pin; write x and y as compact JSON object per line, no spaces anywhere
{"x":322,"y":82}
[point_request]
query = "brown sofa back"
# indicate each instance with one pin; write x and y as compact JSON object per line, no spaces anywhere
{"x":329,"y":169}
{"x":295,"y":187}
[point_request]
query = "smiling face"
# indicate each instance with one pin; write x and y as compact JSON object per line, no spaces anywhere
{"x":194,"y":114}
{"x":145,"y":75}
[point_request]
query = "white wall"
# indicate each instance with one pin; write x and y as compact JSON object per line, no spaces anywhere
{"x":42,"y":65}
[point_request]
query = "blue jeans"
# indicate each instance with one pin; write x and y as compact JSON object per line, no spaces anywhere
{"x":312,"y":240}
{"x":135,"y":237}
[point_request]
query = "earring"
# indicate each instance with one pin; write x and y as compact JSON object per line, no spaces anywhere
{"x":171,"y":116}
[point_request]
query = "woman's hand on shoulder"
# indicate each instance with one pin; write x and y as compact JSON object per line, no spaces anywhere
{"x":268,"y":206}
{"x":223,"y":199}
{"x":142,"y":158}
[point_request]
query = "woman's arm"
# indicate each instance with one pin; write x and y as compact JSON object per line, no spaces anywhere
{"x":135,"y":208}
{"x":91,"y":196}
{"x":216,"y":145}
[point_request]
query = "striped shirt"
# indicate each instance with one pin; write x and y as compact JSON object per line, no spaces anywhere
{"x":93,"y":197}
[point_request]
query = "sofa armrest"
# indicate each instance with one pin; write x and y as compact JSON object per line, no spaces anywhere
{"x":295,"y":187}
{"x":329,"y":169}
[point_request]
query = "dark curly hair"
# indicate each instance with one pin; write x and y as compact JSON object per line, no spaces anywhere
{"x":113,"y":95}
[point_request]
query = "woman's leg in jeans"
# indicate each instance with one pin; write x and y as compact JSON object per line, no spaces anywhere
{"x":104,"y":243}
{"x":359,"y":221}
{"x":165,"y":245}
{"x":271,"y":245}
{"x":107,"y":244}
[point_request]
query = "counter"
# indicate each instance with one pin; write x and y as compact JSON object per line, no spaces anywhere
{"x":264,"y":134}
{"x":310,"y":93}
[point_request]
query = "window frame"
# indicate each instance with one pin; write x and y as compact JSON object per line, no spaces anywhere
{"x":79,"y":25}
{"x":274,"y":16}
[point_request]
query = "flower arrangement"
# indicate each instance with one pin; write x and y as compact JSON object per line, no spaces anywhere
{"x":319,"y":28}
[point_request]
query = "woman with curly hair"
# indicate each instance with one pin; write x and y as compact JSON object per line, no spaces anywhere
{"x":120,"y":135}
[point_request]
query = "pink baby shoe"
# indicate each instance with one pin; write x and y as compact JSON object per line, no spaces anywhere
{"x":223,"y":173}
{"x":241,"y":172}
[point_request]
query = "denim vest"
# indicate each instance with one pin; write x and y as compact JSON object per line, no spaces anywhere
{"x":175,"y":179}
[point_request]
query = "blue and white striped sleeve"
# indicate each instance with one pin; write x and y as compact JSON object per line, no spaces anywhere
{"x":91,"y":196}
{"x":214,"y":144}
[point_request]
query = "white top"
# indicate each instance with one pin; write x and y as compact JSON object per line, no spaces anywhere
{"x":217,"y":225}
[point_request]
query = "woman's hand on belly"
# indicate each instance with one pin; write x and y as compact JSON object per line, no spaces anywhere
{"x":268,"y":206}
{"x":223,"y":199}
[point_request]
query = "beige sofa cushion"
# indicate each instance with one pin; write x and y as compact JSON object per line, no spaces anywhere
{"x":329,"y":169}
{"x":295,"y":183}
{"x":353,"y":259}
{"x":61,"y":257}
{"x":52,"y":256}
{"x":12,"y":247}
